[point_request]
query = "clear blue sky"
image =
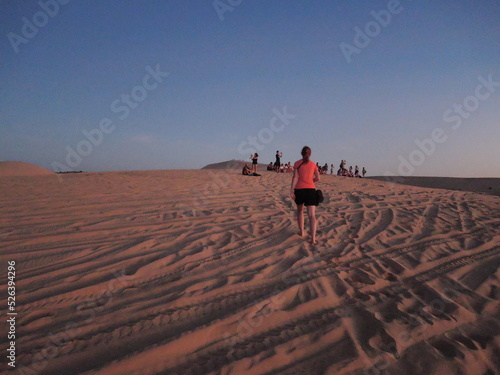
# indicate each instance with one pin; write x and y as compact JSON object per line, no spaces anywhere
{"x":227,"y":76}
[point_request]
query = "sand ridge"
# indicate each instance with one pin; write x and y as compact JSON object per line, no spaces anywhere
{"x":477,"y":185}
{"x":19,"y":168}
{"x":191,"y":272}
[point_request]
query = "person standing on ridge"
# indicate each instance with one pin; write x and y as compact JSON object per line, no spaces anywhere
{"x":277,"y":163}
{"x":255,"y":158}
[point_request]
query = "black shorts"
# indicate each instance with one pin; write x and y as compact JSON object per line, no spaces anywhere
{"x":306,"y":196}
{"x":254,"y":161}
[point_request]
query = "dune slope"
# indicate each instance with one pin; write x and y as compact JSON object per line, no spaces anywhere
{"x":19,"y":168}
{"x":193,"y":272}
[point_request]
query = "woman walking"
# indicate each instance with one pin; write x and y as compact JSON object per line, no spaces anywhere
{"x":303,"y":191}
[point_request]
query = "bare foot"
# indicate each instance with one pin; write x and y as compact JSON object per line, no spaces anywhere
{"x":300,"y":234}
{"x":314,"y":242}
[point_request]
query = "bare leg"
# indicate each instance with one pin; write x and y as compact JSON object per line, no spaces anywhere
{"x":300,"y":219}
{"x":311,"y":212}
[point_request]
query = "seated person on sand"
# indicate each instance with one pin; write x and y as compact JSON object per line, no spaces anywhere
{"x":270,"y":167}
{"x":246,"y":170}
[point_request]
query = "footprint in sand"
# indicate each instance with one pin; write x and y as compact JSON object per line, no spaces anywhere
{"x":389,"y":276}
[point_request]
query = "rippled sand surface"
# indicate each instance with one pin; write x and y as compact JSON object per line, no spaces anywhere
{"x":194,"y":272}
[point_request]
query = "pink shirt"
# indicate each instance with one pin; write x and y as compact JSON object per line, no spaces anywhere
{"x":306,"y":174}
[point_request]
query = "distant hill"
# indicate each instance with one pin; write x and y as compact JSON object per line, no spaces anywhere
{"x":233,"y":164}
{"x":19,"y":168}
{"x":476,"y":185}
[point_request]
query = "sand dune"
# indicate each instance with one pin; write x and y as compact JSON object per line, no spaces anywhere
{"x":476,"y":185}
{"x":234,"y":164}
{"x":194,"y":272}
{"x":19,"y":168}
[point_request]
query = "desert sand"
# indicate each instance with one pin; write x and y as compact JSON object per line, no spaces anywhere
{"x":200,"y":271}
{"x":477,"y":185}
